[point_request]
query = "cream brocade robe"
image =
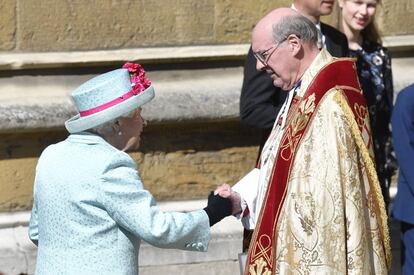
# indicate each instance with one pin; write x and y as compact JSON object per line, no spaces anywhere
{"x":329,"y":223}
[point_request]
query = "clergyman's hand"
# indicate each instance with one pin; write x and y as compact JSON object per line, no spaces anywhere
{"x":225,"y":191}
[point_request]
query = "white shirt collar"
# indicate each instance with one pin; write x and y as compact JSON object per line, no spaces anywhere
{"x":318,"y":25}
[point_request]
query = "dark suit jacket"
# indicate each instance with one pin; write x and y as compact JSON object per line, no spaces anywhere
{"x":260,"y":101}
{"x":403,"y":139}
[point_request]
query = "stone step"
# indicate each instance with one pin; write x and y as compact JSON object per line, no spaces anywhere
{"x":18,"y":254}
{"x":35,"y":102}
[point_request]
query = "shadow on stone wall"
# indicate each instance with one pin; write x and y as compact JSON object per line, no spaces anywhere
{"x":177,"y":161}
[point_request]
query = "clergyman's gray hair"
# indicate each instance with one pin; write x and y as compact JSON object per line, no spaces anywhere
{"x":295,"y":24}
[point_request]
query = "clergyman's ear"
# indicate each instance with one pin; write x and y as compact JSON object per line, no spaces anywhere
{"x":294,"y":43}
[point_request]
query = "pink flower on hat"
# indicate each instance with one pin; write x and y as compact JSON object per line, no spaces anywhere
{"x":138,"y":79}
{"x":132,"y":67}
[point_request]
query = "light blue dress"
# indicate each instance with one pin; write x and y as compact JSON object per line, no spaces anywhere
{"x":90,"y":212}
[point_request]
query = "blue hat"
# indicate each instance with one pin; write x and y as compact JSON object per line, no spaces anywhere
{"x":109,"y":96}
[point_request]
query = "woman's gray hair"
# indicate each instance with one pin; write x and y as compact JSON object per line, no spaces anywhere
{"x":106,"y":128}
{"x":298,"y":25}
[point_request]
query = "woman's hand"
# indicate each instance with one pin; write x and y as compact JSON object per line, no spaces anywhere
{"x":225,"y":191}
{"x":217,"y":208}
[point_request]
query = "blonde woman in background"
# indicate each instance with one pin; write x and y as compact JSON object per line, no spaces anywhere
{"x":374,"y":71}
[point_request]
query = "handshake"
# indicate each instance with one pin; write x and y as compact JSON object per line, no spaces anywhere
{"x":221,"y":203}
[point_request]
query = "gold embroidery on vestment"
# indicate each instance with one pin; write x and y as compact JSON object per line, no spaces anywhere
{"x":306,"y":212}
{"x":340,"y":98}
{"x":289,"y":144}
{"x":371,"y":204}
{"x":259,"y":267}
{"x":306,"y":108}
{"x":262,"y":253}
{"x":299,"y":122}
{"x":261,"y":249}
{"x":361,"y":113}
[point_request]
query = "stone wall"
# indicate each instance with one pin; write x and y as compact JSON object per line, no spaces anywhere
{"x":396,"y":17}
{"x":194,"y":140}
{"x":61,"y":25}
{"x":176,"y":162}
{"x":56,"y":25}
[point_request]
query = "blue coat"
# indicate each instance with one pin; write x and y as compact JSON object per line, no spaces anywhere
{"x":403,"y":141}
{"x":90,"y":212}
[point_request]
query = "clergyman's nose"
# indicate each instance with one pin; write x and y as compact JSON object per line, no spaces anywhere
{"x":260,"y":66}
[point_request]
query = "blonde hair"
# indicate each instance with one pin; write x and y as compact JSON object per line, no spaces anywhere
{"x":370,"y":32}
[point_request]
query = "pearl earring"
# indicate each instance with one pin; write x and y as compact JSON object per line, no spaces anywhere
{"x":119,"y":133}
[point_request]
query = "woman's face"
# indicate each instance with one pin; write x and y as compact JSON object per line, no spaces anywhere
{"x":357,"y":14}
{"x":131,"y":129}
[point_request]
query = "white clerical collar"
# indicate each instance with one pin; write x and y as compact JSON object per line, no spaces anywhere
{"x":286,"y":105}
{"x":318,"y":24}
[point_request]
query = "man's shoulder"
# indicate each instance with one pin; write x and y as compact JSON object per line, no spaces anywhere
{"x":409,"y":89}
{"x":406,"y":95}
{"x":336,"y":41}
{"x":331,"y":31}
{"x":337,"y":72}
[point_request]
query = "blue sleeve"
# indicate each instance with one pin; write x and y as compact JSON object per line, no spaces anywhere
{"x":403,"y":134}
{"x":134,"y":209}
{"x":33,"y":224}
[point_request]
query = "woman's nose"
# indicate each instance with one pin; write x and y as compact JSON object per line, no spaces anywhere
{"x":363,"y":9}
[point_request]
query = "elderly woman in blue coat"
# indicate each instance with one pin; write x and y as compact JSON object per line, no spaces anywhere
{"x":90,"y":209}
